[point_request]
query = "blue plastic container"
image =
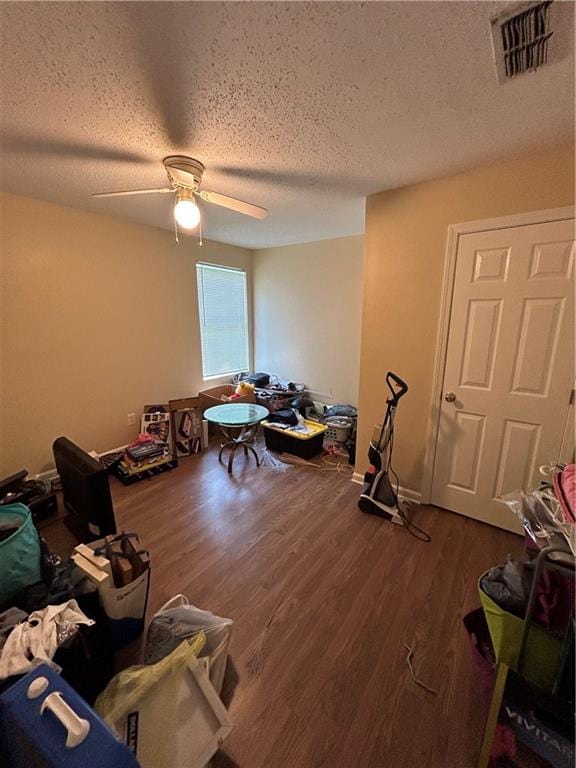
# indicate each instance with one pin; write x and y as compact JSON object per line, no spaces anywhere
{"x":45,"y":724}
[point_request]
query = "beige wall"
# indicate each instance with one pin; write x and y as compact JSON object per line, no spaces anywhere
{"x":404,"y":252}
{"x":99,"y":317}
{"x":307,"y":314}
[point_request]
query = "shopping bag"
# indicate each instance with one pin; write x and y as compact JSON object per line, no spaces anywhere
{"x":168,"y":713}
{"x":178,"y":620}
{"x":125,"y":607}
{"x":19,"y":551}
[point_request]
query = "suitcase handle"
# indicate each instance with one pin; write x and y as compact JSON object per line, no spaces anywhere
{"x":76,"y":727}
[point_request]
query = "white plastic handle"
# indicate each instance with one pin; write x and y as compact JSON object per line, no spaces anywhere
{"x":175,"y":602}
{"x":76,"y":727}
{"x":37,"y":687}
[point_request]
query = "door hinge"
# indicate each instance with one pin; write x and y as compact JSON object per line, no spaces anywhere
{"x":572,"y":395}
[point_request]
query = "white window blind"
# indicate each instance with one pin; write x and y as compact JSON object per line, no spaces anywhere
{"x":223,"y":309}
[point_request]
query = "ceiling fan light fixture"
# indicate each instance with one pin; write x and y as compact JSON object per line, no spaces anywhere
{"x":186,"y":212}
{"x":184,"y":179}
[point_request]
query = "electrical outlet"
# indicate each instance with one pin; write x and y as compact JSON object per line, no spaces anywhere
{"x":131,"y":419}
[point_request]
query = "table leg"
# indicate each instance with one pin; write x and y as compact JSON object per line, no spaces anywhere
{"x":254,"y":452}
{"x":227,"y":444}
{"x":246,"y":434}
{"x":231,"y":457}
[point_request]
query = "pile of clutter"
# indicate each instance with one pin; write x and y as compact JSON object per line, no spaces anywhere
{"x":61,"y":623}
{"x":524,"y":634}
{"x":269,"y":390}
{"x":168,"y":432}
{"x":526,"y":591}
{"x":297,"y":424}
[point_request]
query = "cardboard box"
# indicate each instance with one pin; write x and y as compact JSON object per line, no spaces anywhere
{"x":221,"y":394}
{"x":186,"y":416}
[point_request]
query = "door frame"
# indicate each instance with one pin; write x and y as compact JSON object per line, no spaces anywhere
{"x":455,"y":231}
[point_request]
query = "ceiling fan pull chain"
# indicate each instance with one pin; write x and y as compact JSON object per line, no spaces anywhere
{"x":200,"y":232}
{"x":176,"y":231}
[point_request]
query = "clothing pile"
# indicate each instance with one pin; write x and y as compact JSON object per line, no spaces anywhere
{"x":28,"y":641}
{"x":49,"y":612}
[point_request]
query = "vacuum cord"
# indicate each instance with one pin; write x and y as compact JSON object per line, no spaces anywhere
{"x":413,"y":674}
{"x":411,"y":527}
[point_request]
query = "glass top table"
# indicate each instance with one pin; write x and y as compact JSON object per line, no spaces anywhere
{"x":236,"y":414}
{"x":238,"y":423}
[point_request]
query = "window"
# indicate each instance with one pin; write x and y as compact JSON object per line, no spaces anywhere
{"x":223,"y":310}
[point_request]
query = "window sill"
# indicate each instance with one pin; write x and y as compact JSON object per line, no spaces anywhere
{"x":222,"y":376}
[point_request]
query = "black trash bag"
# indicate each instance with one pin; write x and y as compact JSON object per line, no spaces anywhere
{"x":259,"y":380}
{"x":284,"y":416}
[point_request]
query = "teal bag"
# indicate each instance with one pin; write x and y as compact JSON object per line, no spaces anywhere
{"x":19,"y":553}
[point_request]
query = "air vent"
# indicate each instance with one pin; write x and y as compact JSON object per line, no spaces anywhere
{"x":523,"y":39}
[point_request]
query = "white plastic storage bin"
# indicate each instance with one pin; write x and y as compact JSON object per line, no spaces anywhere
{"x":337,"y":429}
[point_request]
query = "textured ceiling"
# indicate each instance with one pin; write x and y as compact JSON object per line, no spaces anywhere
{"x":304,"y":108}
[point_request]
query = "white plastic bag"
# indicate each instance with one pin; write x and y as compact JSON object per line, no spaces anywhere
{"x":168,"y":713}
{"x":179,"y":620}
{"x":541,"y":515}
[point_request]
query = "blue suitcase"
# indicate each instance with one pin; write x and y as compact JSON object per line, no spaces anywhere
{"x":44,"y":724}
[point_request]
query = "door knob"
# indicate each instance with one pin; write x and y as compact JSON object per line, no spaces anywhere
{"x":449,"y":397}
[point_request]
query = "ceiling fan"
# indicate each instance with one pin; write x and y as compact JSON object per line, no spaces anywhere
{"x":185,"y":177}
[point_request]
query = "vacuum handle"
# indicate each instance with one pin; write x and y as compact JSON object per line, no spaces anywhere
{"x":401,"y":386}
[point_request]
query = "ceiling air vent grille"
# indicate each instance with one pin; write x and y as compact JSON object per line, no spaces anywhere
{"x":522,"y":39}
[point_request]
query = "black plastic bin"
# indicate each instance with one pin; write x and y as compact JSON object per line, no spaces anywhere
{"x":301,"y":444}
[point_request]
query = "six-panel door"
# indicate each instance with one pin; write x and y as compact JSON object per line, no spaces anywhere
{"x":510,"y":365}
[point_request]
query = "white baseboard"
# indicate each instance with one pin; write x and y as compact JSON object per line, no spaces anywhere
{"x":404,"y":493}
{"x":52,"y":474}
{"x":409,"y":495}
{"x":320,"y":397}
{"x":118,"y":449}
{"x":46,"y":476}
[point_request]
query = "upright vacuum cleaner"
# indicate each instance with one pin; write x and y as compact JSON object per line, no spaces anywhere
{"x":379,"y":497}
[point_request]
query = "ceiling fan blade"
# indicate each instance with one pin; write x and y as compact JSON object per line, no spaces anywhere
{"x":234,"y":205}
{"x":67,"y":149}
{"x":160,"y":34}
{"x":133,"y":192}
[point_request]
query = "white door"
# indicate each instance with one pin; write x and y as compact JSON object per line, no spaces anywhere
{"x":509,"y":370}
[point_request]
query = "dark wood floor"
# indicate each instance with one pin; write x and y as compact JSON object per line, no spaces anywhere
{"x":323,"y":598}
